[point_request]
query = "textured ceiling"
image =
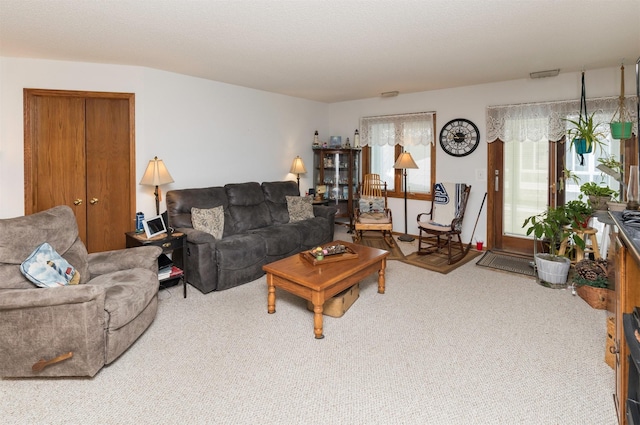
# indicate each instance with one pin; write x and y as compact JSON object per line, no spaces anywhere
{"x":331,"y":50}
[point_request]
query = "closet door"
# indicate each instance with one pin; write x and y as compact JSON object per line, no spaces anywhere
{"x":108,"y":173}
{"x":79,"y":151}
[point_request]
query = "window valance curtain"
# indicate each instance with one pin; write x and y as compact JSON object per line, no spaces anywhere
{"x":402,"y":129}
{"x":545,"y":121}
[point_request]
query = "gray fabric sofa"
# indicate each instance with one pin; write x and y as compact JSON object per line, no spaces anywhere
{"x":96,"y":320}
{"x":257,"y":231}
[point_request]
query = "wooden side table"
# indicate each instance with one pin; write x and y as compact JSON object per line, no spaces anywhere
{"x":175,"y":243}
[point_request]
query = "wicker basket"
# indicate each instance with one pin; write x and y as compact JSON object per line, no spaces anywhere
{"x":595,"y":297}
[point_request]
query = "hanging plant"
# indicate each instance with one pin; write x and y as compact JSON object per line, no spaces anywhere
{"x":585,"y":133}
{"x":621,"y":124}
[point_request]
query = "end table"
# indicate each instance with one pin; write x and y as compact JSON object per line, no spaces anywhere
{"x":175,"y":243}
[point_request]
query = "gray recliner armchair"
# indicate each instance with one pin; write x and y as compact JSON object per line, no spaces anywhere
{"x":70,"y":330}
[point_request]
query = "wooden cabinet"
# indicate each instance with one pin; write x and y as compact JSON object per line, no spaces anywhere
{"x":627,"y":296}
{"x":79,"y":151}
{"x":338,"y":172}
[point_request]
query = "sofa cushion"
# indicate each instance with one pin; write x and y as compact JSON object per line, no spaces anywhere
{"x":280,"y":240}
{"x":300,"y":208}
{"x":210,"y":220}
{"x":247,"y":208}
{"x":313,"y":232}
{"x":239,"y":259}
{"x":275,"y":194}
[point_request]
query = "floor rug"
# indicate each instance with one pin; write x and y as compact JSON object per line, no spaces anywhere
{"x":507,"y":263}
{"x":438,"y":261}
{"x":378,"y":242}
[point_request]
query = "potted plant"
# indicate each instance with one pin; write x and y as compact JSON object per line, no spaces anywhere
{"x":579,"y":212}
{"x":553,"y":226}
{"x":591,"y":282}
{"x":598,"y":194}
{"x":610,"y":166}
{"x":585,"y":134}
{"x":621,"y":124}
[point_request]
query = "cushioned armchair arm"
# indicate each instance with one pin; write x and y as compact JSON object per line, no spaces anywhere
{"x":324,"y":211}
{"x":11,"y":299}
{"x":145,"y":257}
{"x":196,"y":236}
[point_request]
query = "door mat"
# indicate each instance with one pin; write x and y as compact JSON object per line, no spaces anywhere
{"x":507,"y":263}
{"x":438,"y":261}
{"x":375,"y":241}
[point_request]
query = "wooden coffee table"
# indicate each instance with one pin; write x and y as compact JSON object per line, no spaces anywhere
{"x":318,"y":283}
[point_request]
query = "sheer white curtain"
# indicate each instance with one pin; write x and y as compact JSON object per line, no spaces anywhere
{"x":402,"y":129}
{"x":414,"y":132}
{"x":536,"y":122}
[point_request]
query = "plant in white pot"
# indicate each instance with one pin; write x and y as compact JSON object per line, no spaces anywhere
{"x":553,"y":226}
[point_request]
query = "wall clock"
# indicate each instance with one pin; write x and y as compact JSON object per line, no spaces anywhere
{"x":459,"y":137}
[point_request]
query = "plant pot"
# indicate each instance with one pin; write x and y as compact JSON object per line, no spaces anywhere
{"x":616,"y":206}
{"x":595,"y":297}
{"x":620,"y":130}
{"x":599,"y":202}
{"x":581,"y":146}
{"x":552,"y":269}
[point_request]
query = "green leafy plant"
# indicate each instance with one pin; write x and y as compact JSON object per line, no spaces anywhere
{"x":554,"y":225}
{"x":595,"y":189}
{"x":585,"y":128}
{"x":578,"y":211}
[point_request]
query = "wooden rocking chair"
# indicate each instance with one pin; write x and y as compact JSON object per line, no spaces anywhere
{"x":372,"y":212}
{"x":443,"y":230}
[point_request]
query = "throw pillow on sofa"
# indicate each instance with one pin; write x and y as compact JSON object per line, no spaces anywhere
{"x":300,"y":208}
{"x":47,"y":269}
{"x":210,"y":220}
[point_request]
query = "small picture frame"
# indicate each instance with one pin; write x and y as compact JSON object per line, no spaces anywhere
{"x":154,"y":226}
{"x":335,"y":142}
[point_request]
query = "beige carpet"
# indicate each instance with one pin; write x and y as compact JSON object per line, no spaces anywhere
{"x":471,"y":347}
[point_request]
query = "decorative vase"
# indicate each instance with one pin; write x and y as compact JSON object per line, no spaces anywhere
{"x":581,"y":146}
{"x":552,"y":269}
{"x":620,"y":130}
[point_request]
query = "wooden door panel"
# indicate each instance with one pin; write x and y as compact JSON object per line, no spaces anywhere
{"x":58,"y":156}
{"x":108,"y":173}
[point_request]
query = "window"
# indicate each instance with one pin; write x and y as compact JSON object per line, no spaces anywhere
{"x":385,"y":137}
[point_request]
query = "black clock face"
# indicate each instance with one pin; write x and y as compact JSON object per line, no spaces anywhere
{"x":459,"y":137}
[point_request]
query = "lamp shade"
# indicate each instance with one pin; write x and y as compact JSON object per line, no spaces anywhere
{"x":298,"y":166}
{"x":405,"y":160}
{"x":156,"y":173}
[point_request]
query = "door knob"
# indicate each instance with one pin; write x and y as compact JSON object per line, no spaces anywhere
{"x":93,"y":201}
{"x":77,"y":202}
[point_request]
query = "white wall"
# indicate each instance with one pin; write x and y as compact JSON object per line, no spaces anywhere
{"x":471,"y":103}
{"x":208,"y":133}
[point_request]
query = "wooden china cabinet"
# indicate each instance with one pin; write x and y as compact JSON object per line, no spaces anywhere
{"x":337,"y":170}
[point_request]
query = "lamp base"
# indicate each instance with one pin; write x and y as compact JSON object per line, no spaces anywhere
{"x":406,"y":238}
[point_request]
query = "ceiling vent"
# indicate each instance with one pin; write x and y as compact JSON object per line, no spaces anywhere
{"x":544,"y":74}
